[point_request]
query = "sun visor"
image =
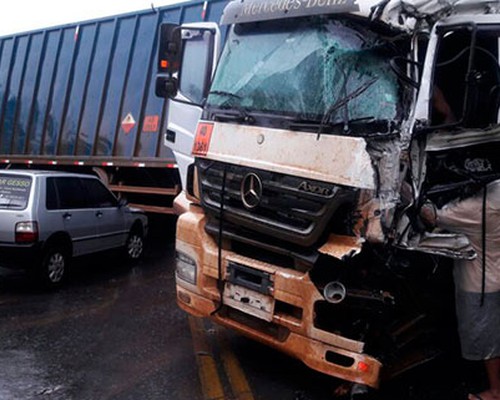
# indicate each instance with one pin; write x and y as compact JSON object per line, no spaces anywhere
{"x":241,"y":11}
{"x":341,"y":247}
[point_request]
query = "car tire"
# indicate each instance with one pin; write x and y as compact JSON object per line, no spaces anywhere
{"x":134,"y":246}
{"x":54,"y":266}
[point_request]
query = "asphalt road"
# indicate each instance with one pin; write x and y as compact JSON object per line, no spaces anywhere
{"x":115,"y":332}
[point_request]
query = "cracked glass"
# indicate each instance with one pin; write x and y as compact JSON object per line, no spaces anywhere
{"x":306,"y":68}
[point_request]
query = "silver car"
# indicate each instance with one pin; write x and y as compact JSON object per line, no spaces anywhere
{"x":47,"y":217}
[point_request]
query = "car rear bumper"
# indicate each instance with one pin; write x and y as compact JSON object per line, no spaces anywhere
{"x":20,"y":256}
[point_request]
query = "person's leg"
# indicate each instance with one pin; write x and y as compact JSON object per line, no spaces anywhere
{"x":479,"y":336}
{"x":493,"y":373}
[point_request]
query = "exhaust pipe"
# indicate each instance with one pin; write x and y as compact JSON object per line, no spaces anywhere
{"x":335,"y":292}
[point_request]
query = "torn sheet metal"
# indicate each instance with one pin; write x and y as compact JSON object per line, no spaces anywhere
{"x":369,"y":226}
{"x":446,"y":140}
{"x":341,"y":247}
{"x":386,"y":159}
{"x":444,"y":244}
{"x":410,"y":14}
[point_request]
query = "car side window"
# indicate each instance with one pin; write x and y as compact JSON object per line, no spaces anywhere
{"x":99,"y":195}
{"x":51,"y":197}
{"x":70,"y":193}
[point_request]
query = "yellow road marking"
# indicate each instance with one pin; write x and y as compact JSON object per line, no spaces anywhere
{"x":237,"y":379}
{"x":210,"y":381}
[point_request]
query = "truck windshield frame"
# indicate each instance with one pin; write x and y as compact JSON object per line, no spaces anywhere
{"x":301,"y":67}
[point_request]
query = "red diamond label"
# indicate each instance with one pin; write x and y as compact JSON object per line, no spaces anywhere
{"x":128,"y":123}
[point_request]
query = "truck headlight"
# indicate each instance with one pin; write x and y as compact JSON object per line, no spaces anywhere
{"x":185,"y":268}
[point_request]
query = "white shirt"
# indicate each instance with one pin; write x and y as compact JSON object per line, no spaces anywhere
{"x":465,"y":216}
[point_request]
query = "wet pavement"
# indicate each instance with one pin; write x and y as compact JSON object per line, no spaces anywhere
{"x":115,"y":332}
{"x":110,"y":332}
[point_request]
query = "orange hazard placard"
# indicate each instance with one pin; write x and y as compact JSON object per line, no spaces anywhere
{"x":151,"y":123}
{"x":202,"y":139}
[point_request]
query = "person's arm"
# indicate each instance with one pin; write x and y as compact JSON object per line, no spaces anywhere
{"x":461,"y":216}
{"x":442,"y":106}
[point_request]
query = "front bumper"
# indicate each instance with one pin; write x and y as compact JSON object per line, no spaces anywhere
{"x":290,"y":328}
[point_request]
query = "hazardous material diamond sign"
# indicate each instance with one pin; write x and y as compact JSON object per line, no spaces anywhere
{"x":128,"y":123}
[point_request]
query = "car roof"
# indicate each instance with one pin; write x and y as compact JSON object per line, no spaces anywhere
{"x":37,"y":173}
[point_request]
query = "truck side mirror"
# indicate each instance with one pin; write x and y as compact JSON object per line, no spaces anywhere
{"x":169,"y":49}
{"x":185,"y":60}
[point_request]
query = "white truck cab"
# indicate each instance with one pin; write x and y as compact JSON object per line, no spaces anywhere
{"x":326,"y":126}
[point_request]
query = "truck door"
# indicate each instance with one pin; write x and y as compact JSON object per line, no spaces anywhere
{"x":200,"y":48}
{"x":457,"y":129}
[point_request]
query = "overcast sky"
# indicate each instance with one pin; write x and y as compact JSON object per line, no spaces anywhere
{"x":25,"y":15}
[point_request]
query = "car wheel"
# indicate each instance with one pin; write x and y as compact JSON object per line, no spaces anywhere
{"x":134,"y":246}
{"x":54,"y":266}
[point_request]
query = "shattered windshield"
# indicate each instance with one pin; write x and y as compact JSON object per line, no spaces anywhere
{"x":307,"y":68}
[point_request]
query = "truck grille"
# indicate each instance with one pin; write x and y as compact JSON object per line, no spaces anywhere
{"x":283,"y":207}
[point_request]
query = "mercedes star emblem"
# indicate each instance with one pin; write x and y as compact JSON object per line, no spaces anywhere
{"x":251,"y":190}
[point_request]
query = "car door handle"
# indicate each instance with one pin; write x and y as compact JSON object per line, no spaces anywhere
{"x":66,"y":215}
{"x":98,"y":214}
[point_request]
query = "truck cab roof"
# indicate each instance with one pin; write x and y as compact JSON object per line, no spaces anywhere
{"x":402,"y":15}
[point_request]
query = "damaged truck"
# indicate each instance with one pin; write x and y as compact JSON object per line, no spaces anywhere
{"x":326,"y":125}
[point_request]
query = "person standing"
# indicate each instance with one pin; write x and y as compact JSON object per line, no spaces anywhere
{"x":477,"y":281}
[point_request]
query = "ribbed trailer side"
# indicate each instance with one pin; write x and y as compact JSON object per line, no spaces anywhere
{"x":82,"y":97}
{"x":85,"y":92}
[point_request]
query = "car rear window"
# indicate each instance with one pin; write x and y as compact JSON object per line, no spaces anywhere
{"x":14,"y":191}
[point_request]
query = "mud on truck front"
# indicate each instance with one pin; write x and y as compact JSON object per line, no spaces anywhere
{"x":317,"y":145}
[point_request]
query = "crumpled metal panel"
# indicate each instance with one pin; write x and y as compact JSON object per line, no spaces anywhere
{"x":409,"y":14}
{"x":446,"y":140}
{"x":452,"y":245}
{"x":369,"y":225}
{"x":341,"y":247}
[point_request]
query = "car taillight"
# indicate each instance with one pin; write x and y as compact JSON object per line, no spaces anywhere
{"x":26,"y":232}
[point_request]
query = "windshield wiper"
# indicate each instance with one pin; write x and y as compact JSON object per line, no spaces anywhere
{"x":364,"y":126}
{"x":341,"y":103}
{"x":226,"y":114}
{"x":304,"y":124}
{"x":224,"y":93}
{"x":309,"y":124}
